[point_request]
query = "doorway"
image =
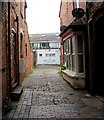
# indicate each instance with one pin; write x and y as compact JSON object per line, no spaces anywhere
{"x":99,"y":57}
{"x":14,"y":60}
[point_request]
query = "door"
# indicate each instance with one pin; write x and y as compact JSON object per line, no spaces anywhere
{"x":98,"y":82}
{"x":14,"y":60}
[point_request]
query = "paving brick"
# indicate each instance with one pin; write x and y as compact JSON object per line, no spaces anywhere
{"x":52,"y":97}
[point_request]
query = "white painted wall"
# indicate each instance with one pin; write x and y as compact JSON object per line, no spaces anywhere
{"x":49,"y":56}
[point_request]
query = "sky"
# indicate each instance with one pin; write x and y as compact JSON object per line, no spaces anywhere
{"x":43,"y":16}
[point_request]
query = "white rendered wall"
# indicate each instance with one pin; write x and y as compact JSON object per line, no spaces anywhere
{"x":49,"y":56}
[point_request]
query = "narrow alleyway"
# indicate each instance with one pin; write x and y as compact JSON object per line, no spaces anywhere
{"x":47,"y":95}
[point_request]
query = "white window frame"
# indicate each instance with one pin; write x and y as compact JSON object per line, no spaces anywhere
{"x":76,"y":71}
{"x":77,"y":68}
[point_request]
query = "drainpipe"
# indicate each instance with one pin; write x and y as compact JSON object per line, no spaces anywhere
{"x":9,"y":52}
{"x":89,"y":21}
{"x":18,"y":48}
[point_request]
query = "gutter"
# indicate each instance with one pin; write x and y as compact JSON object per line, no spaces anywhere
{"x":18,"y":49}
{"x":89,"y":21}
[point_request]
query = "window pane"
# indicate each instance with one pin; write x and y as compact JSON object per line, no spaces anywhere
{"x":73,"y":62}
{"x":46,"y":55}
{"x":35,"y":46}
{"x":69,"y":63}
{"x":40,"y":54}
{"x":65,"y":47}
{"x":73,"y":45}
{"x":80,"y":44}
{"x":80,"y":63}
{"x":65,"y":60}
{"x":44,"y":45}
{"x":53,"y":54}
{"x":69,"y":46}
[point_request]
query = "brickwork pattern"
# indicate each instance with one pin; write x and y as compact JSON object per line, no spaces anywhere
{"x":47,"y":95}
{"x":14,"y":13}
{"x":4,"y":50}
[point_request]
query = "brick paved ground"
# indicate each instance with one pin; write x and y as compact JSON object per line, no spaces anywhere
{"x":47,"y":95}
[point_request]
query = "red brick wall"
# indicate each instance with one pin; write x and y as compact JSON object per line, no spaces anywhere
{"x":83,"y":5}
{"x":29,"y":56}
{"x":14,"y":12}
{"x":65,"y":13}
{"x":5,"y":75}
{"x":26,"y":51}
{"x":4,"y":51}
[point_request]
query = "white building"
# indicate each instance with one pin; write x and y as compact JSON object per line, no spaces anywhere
{"x":47,"y":47}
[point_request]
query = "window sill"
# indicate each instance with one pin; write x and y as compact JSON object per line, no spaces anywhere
{"x":73,"y":74}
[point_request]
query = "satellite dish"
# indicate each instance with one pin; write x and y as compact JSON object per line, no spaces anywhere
{"x":78,"y":12}
{"x":74,"y":12}
{"x":62,"y":28}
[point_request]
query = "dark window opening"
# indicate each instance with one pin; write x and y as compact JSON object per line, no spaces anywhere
{"x":26,"y":49}
{"x":21,"y":46}
{"x":40,"y":54}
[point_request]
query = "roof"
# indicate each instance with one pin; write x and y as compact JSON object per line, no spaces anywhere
{"x":77,"y":24}
{"x":45,"y":37}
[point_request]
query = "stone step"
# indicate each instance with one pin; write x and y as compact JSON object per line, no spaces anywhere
{"x":17,"y":93}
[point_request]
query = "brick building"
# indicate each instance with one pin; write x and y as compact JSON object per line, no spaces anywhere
{"x":72,"y":49}
{"x":81,"y":49}
{"x":17,"y":58}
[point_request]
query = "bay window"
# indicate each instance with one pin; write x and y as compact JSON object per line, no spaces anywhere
{"x":74,"y":53}
{"x":80,"y":54}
